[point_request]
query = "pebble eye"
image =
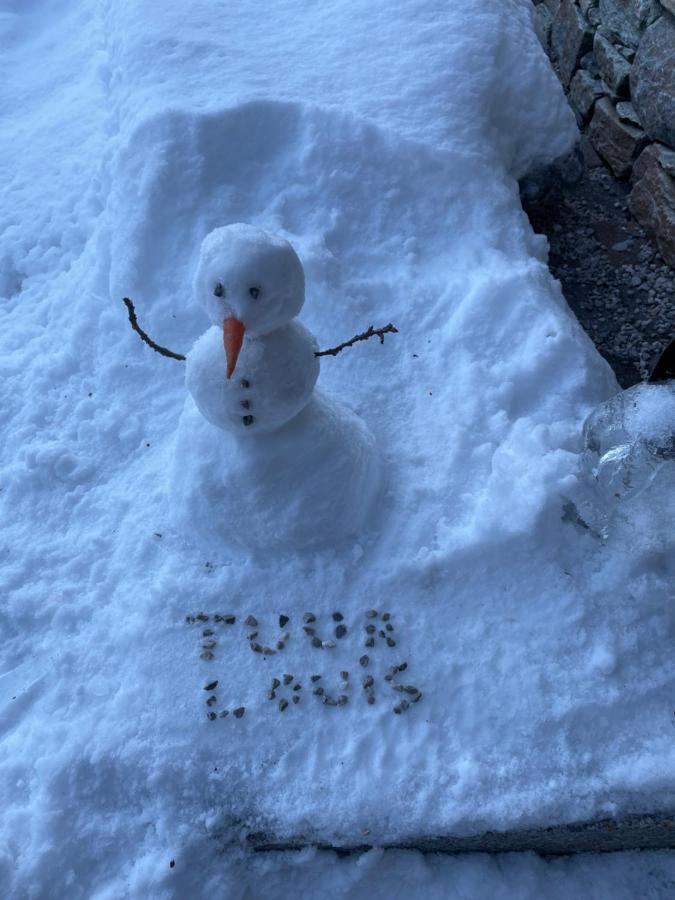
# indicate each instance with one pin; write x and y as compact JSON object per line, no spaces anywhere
{"x":219,"y":290}
{"x":254,"y":292}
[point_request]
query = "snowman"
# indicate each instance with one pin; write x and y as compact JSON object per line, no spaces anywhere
{"x":262,"y":460}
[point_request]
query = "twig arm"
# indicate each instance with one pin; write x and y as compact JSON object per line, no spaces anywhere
{"x":370,"y":332}
{"x":145,"y":337}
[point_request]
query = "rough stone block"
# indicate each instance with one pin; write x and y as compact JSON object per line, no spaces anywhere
{"x":570,"y":39}
{"x":617,"y":142}
{"x":584,"y":91}
{"x":652,"y":80}
{"x":669,"y":5}
{"x":614,"y":69}
{"x":654,"y":153}
{"x":626,"y":19}
{"x":626,"y":112}
{"x":652,"y":201}
{"x":543,"y":20}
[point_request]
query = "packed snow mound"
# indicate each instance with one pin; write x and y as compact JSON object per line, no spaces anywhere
{"x":384,"y":143}
{"x":310,"y":483}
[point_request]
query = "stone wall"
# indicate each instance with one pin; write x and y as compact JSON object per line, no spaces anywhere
{"x":616,"y":60}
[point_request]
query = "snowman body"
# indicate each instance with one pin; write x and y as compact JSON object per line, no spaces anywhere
{"x":274,"y":379}
{"x":262,"y":460}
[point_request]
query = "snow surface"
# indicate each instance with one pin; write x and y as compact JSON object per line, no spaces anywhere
{"x":385,"y":143}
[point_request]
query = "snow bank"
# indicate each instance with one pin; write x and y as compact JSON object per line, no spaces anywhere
{"x":385,"y":144}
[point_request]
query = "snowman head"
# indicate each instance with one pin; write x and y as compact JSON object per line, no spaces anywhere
{"x":248,"y":281}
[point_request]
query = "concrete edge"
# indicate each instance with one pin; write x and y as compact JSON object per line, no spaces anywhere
{"x":637,"y":832}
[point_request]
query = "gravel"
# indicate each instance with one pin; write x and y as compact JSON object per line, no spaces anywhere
{"x":611,"y":272}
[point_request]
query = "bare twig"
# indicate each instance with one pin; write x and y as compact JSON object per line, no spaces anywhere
{"x":144,"y":337}
{"x":380,"y":332}
{"x":332,"y":351}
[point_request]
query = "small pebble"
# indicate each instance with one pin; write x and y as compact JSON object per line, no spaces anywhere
{"x":309,"y":617}
{"x":340,"y":631}
{"x":248,"y":420}
{"x":318,"y":691}
{"x":337,"y":617}
{"x":208,"y":645}
{"x":224,"y":713}
{"x":206,"y":654}
{"x":315,"y":678}
{"x":202,"y":617}
{"x":275,"y":683}
{"x":283,"y":620}
{"x":257,"y":648}
{"x":328,"y":645}
{"x":190,"y":620}
{"x":391,"y":642}
{"x":245,"y":383}
{"x":246,"y":404}
{"x":283,"y":703}
{"x":371,"y":699}
{"x":344,"y":676}
{"x":389,"y":626}
{"x":372,"y":614}
{"x":280,"y":645}
{"x":267,"y":651}
{"x":296,"y":698}
{"x":385,"y":617}
{"x":329,"y":701}
{"x":364,"y":660}
{"x":212,"y":716}
{"x":368,"y":681}
{"x":211,"y":686}
{"x":239,"y":712}
{"x":410,"y":689}
{"x":309,"y":630}
{"x":211,"y":700}
{"x":370,"y":629}
{"x":389,"y":677}
{"x":207,"y":632}
{"x":401,"y":667}
{"x":271,"y":695}
{"x":369,"y":642}
{"x":418,"y":696}
{"x":252,"y":635}
{"x":288,"y":679}
{"x":316,"y":642}
{"x":297,"y":687}
{"x":382,"y":634}
{"x":342,"y":699}
{"x":251,"y":621}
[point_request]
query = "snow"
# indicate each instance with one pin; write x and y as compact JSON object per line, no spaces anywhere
{"x":385,"y":144}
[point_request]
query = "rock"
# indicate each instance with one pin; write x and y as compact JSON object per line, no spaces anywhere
{"x":614,"y":69}
{"x":283,"y":620}
{"x":543,"y":20}
{"x":251,"y":621}
{"x":617,"y":142}
{"x":584,"y":91}
{"x":570,"y":39}
{"x":340,"y":631}
{"x":337,"y":617}
{"x":652,"y":80}
{"x":239,"y":712}
{"x":652,"y":201}
{"x":626,"y":19}
{"x":669,"y":5}
{"x":588,"y":63}
{"x":626,"y":112}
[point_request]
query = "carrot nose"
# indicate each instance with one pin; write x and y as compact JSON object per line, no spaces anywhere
{"x":233,"y":337}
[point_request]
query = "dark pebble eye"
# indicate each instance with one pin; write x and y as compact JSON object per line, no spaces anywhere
{"x":219,"y":290}
{"x":254,"y":292}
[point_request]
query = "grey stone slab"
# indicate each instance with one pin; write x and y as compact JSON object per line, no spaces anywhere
{"x":652,"y":200}
{"x":652,"y":80}
{"x":570,"y":39}
{"x":584,"y":91}
{"x":626,"y":19}
{"x":613,"y":67}
{"x":619,"y":143}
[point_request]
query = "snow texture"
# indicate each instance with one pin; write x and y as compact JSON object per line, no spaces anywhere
{"x":385,"y":143}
